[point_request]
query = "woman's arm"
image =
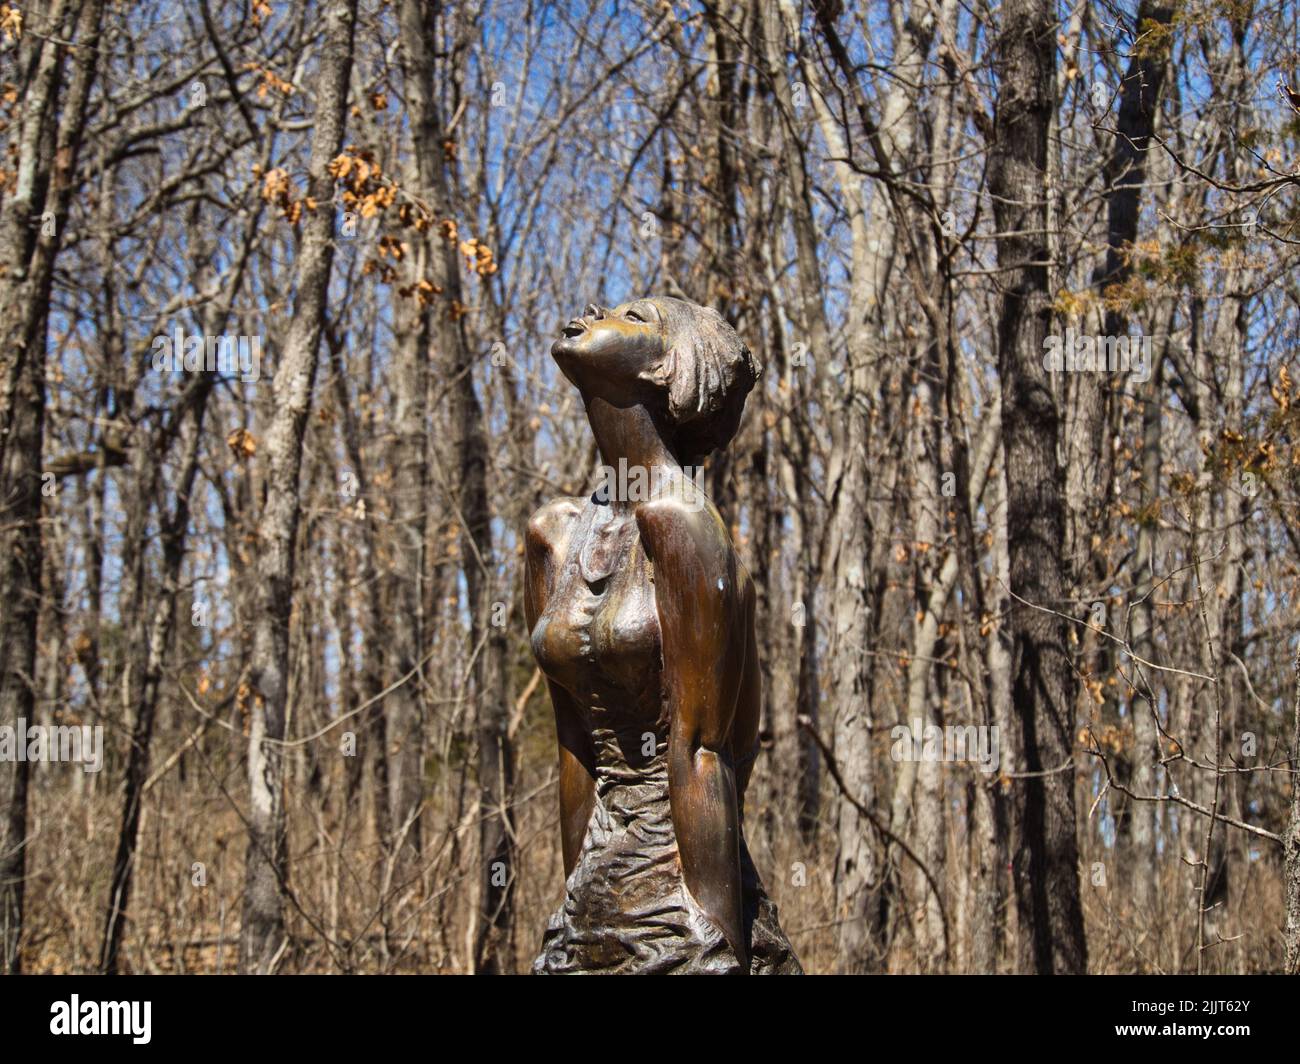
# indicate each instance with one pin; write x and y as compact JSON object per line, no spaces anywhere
{"x":701,"y":620}
{"x":545,"y":545}
{"x":577,"y":775}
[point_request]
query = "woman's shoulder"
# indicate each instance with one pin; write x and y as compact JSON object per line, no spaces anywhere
{"x":691,"y":528}
{"x":552,"y":522}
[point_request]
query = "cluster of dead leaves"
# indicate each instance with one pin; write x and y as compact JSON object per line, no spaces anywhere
{"x":1263,"y":453}
{"x":243,"y":703}
{"x":411,"y":216}
{"x":83,"y":650}
{"x":369,"y":192}
{"x":366,"y":190}
{"x":1155,"y":268}
{"x":11,"y":22}
{"x":9,"y":97}
{"x":279,"y":190}
{"x":1111,"y":738}
{"x":478,"y":258}
{"x":422,"y":290}
{"x":389,"y":247}
{"x":1235,"y":451}
{"x":271,"y":81}
{"x":1284,"y":392}
{"x":242,"y":444}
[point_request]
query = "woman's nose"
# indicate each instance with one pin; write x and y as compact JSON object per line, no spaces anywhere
{"x":594,"y":312}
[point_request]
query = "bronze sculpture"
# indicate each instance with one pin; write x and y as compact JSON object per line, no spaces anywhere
{"x":642,"y":619}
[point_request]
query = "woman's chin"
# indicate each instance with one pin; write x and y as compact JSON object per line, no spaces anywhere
{"x":565,"y":346}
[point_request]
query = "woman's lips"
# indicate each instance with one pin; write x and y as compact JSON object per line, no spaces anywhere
{"x":576,"y":327}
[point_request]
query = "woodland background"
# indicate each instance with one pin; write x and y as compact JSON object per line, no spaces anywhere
{"x":293,"y":604}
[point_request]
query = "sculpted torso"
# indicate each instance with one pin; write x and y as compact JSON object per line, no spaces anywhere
{"x":641,"y":618}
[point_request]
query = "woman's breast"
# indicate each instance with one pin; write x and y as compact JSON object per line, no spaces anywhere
{"x":601,"y":642}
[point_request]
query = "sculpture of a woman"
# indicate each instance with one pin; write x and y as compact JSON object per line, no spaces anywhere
{"x":642,"y":619}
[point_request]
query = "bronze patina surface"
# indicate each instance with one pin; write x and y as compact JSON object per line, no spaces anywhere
{"x":642,"y":619}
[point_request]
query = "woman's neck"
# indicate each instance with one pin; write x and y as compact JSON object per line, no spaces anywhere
{"x":632,"y":446}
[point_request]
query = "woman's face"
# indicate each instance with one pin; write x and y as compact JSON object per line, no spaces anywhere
{"x":605,"y":352}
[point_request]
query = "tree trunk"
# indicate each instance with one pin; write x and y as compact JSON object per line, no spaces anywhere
{"x":447,"y":327}
{"x":1126,"y":174}
{"x":1046,"y":853}
{"x":1291,"y":841}
{"x":31,"y":236}
{"x":262,"y":936}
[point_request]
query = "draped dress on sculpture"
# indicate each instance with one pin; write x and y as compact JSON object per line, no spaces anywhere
{"x":626,"y":907}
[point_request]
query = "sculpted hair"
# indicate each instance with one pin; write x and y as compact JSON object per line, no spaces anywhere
{"x":707,"y":372}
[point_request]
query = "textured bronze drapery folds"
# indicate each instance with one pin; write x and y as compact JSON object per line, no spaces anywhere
{"x":642,"y":619}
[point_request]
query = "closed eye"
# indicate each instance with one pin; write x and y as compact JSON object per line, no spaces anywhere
{"x":632,"y":315}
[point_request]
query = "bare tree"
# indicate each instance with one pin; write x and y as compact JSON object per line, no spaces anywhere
{"x":263,"y":938}
{"x":32,"y":228}
{"x":1046,"y":852}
